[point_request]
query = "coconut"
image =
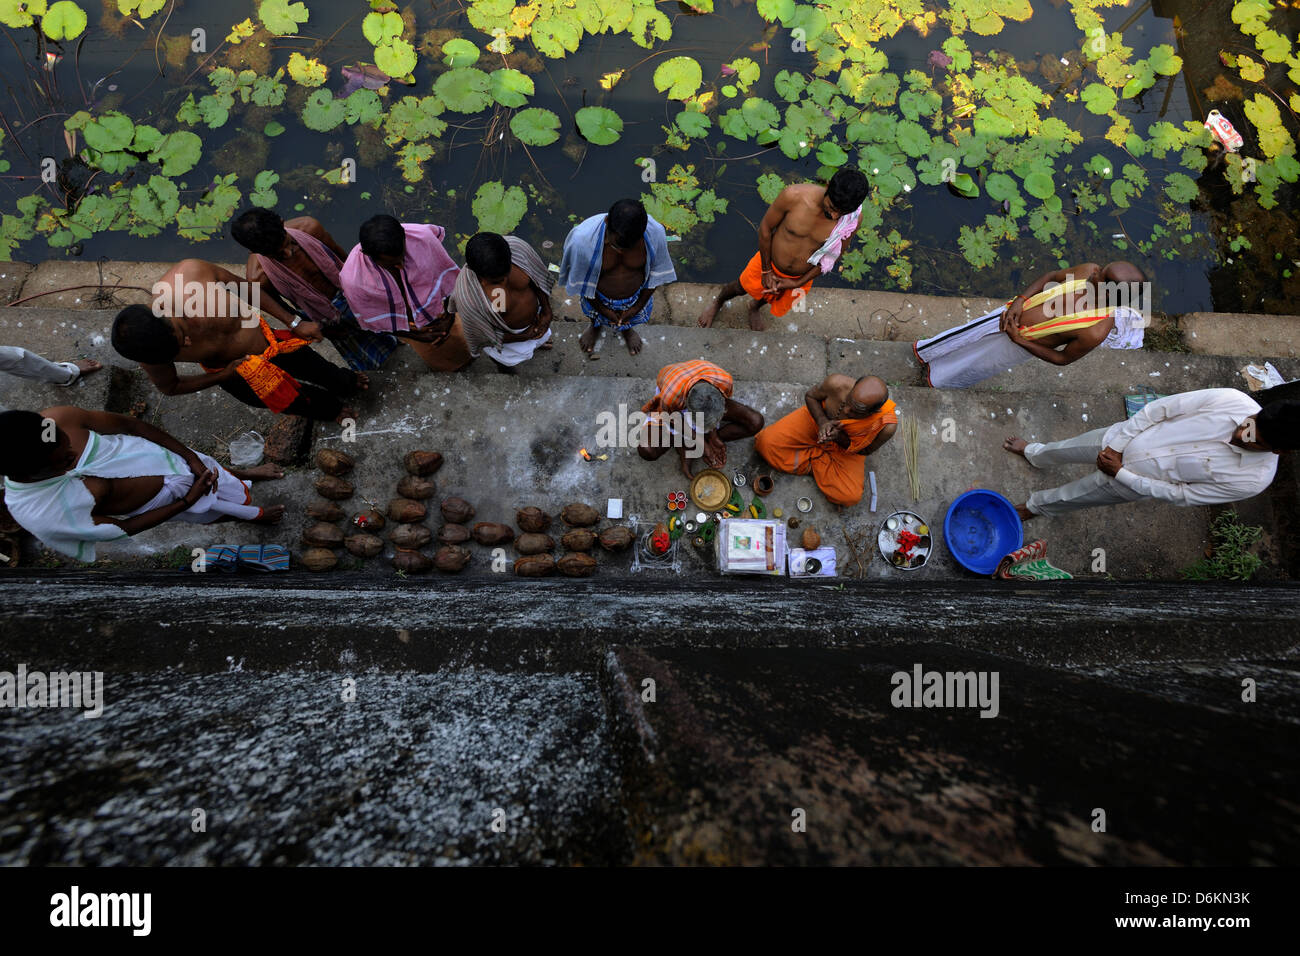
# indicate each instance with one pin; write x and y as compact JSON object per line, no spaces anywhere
{"x":451,"y":558}
{"x":318,"y":559}
{"x":334,"y":462}
{"x":412,"y":562}
{"x":579,"y":539}
{"x":617,"y":538}
{"x":457,"y":510}
{"x":322,"y":535}
{"x":421,"y":463}
{"x":453,"y":534}
{"x":417,"y":489}
{"x":406,"y":511}
{"x":533,"y":543}
{"x":369,"y":520}
{"x":578,"y":515}
{"x":487,"y":532}
{"x":576,"y":565}
{"x":324,"y":511}
{"x":410,"y":536}
{"x":532,"y":519}
{"x":336,"y":489}
{"x":811,"y":539}
{"x":364,"y":545}
{"x":535,"y":566}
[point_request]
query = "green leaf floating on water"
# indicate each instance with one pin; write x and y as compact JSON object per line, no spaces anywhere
{"x":22,"y":13}
{"x":272,"y":129}
{"x":499,"y":209}
{"x":510,"y":87}
{"x":599,"y":125}
{"x":1181,"y":188}
{"x":411,"y":159}
{"x":322,"y":112}
{"x":679,"y":77}
{"x":694,"y":124}
{"x":1040,"y":185}
{"x":1274,"y":139}
{"x":1273,"y":46}
{"x":282,"y":17}
{"x":964,"y":184}
{"x":776,"y":11}
{"x":153,"y":205}
{"x":458,"y":52}
{"x":977,"y":246}
{"x":363,"y":106}
{"x":769,"y":187}
{"x":1099,"y":99}
{"x":465,"y":90}
{"x":831,"y":154}
{"x":649,"y":24}
{"x":413,"y":118}
{"x":178,"y":153}
{"x":109,"y":132}
{"x":64,"y":20}
{"x":263,"y":193}
{"x":913,"y":139}
{"x":557,"y":35}
{"x":396,"y":58}
{"x":1164,"y":60}
{"x":535,"y":126}
{"x":380,"y":28}
{"x":1001,"y":187}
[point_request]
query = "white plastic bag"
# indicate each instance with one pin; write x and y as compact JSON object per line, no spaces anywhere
{"x":246,"y":450}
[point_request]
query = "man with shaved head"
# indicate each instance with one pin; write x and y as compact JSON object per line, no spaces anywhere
{"x":842,"y":422}
{"x":1059,"y":319}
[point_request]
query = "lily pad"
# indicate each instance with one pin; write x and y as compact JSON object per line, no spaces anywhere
{"x":307,"y":72}
{"x":1181,"y":188}
{"x":649,"y":24}
{"x":23,"y":13}
{"x":1099,"y":99}
{"x":178,"y":153}
{"x":599,"y":125}
{"x":510,"y":87}
{"x":831,"y":154}
{"x":154,"y":205}
{"x":272,"y":129}
{"x":363,"y":106}
{"x":396,"y":58}
{"x":535,"y":126}
{"x":413,"y":118}
{"x":282,"y":17}
{"x":263,"y":193}
{"x":64,"y":20}
{"x":1164,"y":60}
{"x":322,"y":112}
{"x":380,"y":28}
{"x":109,"y":132}
{"x":963,"y":184}
{"x":465,"y":90}
{"x":679,"y":77}
{"x":694,"y":124}
{"x":1040,"y":185}
{"x":770,"y":186}
{"x":411,"y":159}
{"x":499,"y":209}
{"x":458,"y":52}
{"x":774,"y":11}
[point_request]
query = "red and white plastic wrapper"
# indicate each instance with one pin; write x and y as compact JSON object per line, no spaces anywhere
{"x":1223,"y":131}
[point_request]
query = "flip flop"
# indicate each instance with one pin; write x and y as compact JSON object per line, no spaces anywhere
{"x":223,"y":557}
{"x":264,"y":557}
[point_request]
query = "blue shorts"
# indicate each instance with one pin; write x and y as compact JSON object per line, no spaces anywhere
{"x":618,"y":305}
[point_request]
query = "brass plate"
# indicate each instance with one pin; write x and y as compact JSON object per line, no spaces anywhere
{"x":710,"y":489}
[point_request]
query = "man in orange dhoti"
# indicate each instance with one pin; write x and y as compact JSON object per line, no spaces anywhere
{"x":841,"y":423}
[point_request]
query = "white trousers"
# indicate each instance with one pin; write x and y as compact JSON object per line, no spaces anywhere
{"x":25,"y":364}
{"x":1091,"y":491}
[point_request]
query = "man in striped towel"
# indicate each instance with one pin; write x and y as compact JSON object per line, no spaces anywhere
{"x":503,"y":299}
{"x":693,"y":411}
{"x":1059,"y":319}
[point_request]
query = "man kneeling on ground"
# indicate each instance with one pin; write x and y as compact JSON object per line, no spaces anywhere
{"x":842,"y":422}
{"x":699,"y":393}
{"x":75,"y":477}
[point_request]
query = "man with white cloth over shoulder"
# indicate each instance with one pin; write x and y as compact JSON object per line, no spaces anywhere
{"x":503,"y":299}
{"x":1206,"y":447}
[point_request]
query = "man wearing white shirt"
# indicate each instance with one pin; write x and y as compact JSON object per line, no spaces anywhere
{"x":1199,"y":448}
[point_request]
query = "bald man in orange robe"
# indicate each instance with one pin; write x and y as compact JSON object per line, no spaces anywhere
{"x":842,"y":422}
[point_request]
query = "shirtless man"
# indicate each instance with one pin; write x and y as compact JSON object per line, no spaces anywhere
{"x":298,"y":262}
{"x":237,"y":349}
{"x":133,"y":473}
{"x":1059,"y":319}
{"x":614,"y":263}
{"x":795,"y":227}
{"x":841,"y":422}
{"x":692,"y":410}
{"x":503,"y":299}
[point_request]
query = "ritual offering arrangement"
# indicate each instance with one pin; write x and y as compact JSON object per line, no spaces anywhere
{"x":451,"y":558}
{"x":579,"y":539}
{"x":369,"y":520}
{"x":532,"y":519}
{"x":904,"y":540}
{"x":457,"y":510}
{"x":336,"y":489}
{"x":617,"y":538}
{"x":406,"y":511}
{"x":711,"y":490}
{"x":578,"y":515}
{"x":751,"y":546}
{"x":417,"y":489}
{"x":660,"y":540}
{"x":364,"y":545}
{"x":422,"y":463}
{"x":334,"y":462}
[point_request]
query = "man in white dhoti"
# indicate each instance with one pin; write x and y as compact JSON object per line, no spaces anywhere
{"x":503,"y":299}
{"x":75,"y":477}
{"x":1206,"y":447}
{"x":27,"y":364}
{"x":1059,"y":319}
